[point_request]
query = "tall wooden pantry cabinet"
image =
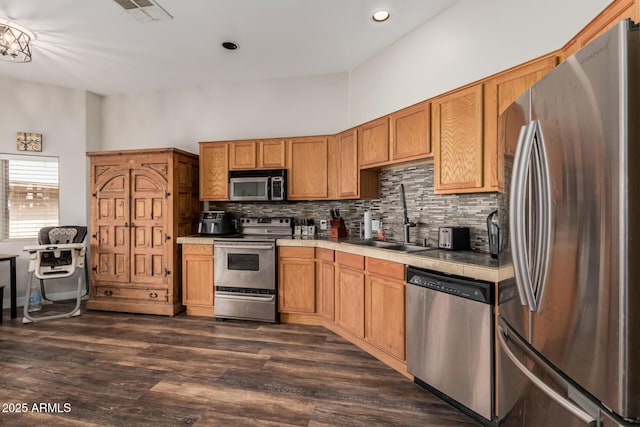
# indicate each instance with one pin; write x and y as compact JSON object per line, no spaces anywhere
{"x":141,"y":202}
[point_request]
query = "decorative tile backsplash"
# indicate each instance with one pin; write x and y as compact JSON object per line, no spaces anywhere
{"x":427,"y":210}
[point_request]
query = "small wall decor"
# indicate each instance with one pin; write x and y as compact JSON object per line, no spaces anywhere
{"x":28,"y":141}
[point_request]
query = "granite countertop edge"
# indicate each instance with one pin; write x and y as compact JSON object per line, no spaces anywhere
{"x":464,"y":265}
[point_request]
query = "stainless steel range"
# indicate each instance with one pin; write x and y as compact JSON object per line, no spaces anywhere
{"x":245,"y":273}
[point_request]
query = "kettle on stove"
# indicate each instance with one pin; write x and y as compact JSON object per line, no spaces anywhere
{"x":493,"y":229}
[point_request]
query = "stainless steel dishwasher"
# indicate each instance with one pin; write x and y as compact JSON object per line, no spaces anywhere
{"x":450,"y":338}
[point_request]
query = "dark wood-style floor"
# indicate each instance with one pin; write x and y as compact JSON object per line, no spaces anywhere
{"x":114,"y":369}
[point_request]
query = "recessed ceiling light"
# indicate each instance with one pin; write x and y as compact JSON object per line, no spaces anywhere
{"x":380,"y":15}
{"x":230,"y":45}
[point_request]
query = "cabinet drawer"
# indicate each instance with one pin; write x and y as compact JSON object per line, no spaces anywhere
{"x":350,"y":260}
{"x":390,"y":269}
{"x":197,"y":249}
{"x":141,"y":294}
{"x":296,"y":252}
{"x":325,"y":254}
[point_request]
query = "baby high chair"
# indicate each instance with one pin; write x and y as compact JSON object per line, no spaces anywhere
{"x":61,"y":250}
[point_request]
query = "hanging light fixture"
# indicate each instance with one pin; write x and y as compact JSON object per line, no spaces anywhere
{"x":15,"y":43}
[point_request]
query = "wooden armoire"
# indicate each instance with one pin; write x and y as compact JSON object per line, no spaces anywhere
{"x":141,"y":202}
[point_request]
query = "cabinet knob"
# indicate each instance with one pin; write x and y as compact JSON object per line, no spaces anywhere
{"x":153,"y":295}
{"x":108,"y":293}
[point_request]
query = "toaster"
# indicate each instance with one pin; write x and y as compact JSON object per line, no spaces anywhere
{"x":454,"y":238}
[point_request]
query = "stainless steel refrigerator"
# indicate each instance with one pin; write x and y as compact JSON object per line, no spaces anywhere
{"x":569,"y":321}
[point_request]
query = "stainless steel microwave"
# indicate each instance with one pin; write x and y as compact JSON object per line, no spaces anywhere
{"x":258,"y":185}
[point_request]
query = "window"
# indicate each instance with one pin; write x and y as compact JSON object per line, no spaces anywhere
{"x":30,"y":195}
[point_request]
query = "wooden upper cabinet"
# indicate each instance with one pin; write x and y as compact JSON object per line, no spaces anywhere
{"x":272,"y":153}
{"x":457,"y":135}
{"x":260,"y":154}
{"x":308,"y":168}
{"x":348,"y":182}
{"x":499,"y":93}
{"x":610,"y":16}
{"x":410,"y":132}
{"x":373,"y":142}
{"x":214,"y":171}
{"x":242,"y":155}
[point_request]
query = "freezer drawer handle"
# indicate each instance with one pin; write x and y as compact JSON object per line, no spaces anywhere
{"x":565,"y":403}
{"x":236,"y":297}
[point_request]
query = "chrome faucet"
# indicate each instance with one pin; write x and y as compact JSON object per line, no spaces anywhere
{"x":406,"y":224}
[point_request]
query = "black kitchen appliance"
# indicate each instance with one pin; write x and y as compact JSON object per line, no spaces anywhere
{"x":493,"y":230}
{"x":454,"y":238}
{"x":215,"y":223}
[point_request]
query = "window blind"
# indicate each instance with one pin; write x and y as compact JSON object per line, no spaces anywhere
{"x":30,"y":194}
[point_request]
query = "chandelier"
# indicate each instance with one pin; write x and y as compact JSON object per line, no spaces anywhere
{"x":15,"y":44}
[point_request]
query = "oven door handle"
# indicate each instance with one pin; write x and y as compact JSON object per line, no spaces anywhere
{"x":234,"y":296}
{"x":251,"y":247}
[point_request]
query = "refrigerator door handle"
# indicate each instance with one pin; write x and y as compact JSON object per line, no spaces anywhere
{"x":562,"y":401}
{"x":543,"y":215}
{"x":517,"y":215}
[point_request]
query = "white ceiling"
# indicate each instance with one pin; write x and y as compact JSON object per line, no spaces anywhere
{"x":95,"y":45}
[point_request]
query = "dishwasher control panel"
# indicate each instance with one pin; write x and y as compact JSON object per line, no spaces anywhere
{"x":465,"y":288}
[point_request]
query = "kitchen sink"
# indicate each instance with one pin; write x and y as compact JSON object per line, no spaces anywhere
{"x":375,"y":243}
{"x":409,"y":248}
{"x":394,"y":246}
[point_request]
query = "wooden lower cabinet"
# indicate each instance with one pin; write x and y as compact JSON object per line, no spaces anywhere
{"x":325,"y":278}
{"x":197,"y":279}
{"x":385,"y":306}
{"x":296,"y":280}
{"x":349,"y":293}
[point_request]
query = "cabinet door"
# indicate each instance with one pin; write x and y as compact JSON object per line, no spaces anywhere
{"x":349,"y":305}
{"x":272,"y":154}
{"x":197,"y":276}
{"x":308,"y":168}
{"x":150,"y":226}
{"x":326,"y":279}
{"x":214,"y":171}
{"x":296,"y":285}
{"x":347,"y":160}
{"x":110,"y":250}
{"x":242,"y":155}
{"x":410,"y":132}
{"x":385,"y":315}
{"x":373,"y":142}
{"x":457,"y":126}
{"x":500,"y":92}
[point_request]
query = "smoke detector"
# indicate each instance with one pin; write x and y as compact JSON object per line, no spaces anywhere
{"x":144,"y":10}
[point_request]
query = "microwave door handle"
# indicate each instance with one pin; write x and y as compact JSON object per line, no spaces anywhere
{"x":562,"y":401}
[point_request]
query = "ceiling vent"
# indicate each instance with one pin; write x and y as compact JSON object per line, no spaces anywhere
{"x":144,"y":10}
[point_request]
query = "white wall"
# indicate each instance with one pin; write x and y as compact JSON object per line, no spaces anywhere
{"x":256,"y":109}
{"x":471,"y":40}
{"x":59,"y":114}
